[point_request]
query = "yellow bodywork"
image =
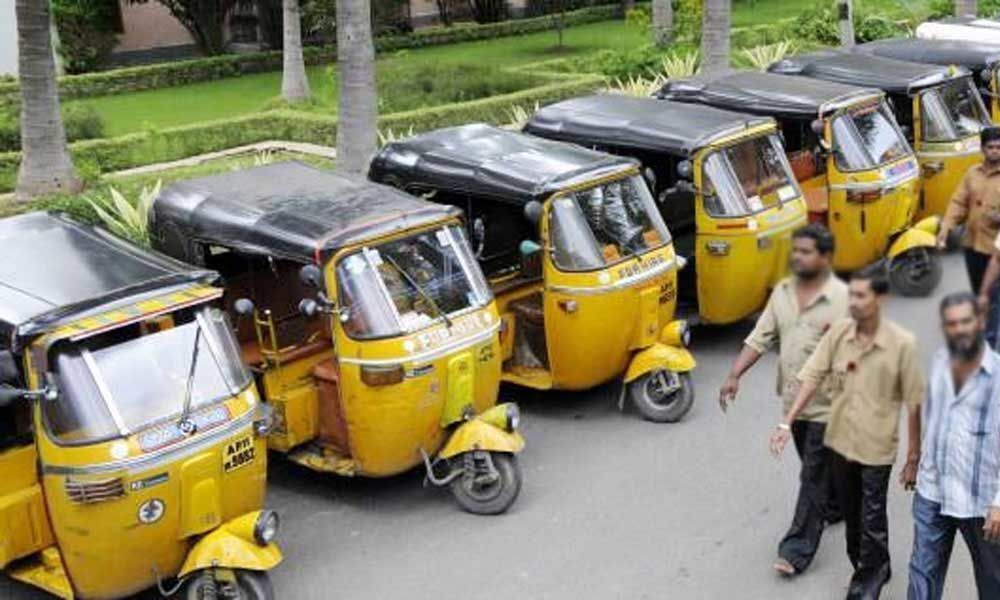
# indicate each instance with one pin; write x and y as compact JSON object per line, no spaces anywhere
{"x":659,"y":356}
{"x":477,"y":434}
{"x":910,"y":239}
{"x":994,"y":98}
{"x":232,"y":546}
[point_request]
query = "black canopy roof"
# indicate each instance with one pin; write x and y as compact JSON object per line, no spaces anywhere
{"x":289,"y":210}
{"x":54,"y":268}
{"x":484,"y":160}
{"x":765,"y":93}
{"x":971,"y":55}
{"x":631,"y":122}
{"x":893,"y":76}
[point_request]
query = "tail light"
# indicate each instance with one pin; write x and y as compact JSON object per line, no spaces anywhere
{"x":88,"y":492}
{"x":382,"y":374}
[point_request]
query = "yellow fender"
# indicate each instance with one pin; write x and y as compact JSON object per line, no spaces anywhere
{"x":659,"y":356}
{"x":912,"y":238}
{"x":232,"y":546}
{"x":929,"y":224}
{"x":477,"y":434}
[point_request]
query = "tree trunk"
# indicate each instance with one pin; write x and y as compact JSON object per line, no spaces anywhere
{"x":715,"y":36}
{"x":46,"y":167}
{"x":357,"y":109}
{"x":845,"y":16}
{"x":294,"y":83}
{"x":966,"y":8}
{"x":663,"y":22}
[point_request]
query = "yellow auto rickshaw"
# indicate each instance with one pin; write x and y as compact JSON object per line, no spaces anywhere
{"x":981,"y":59}
{"x":131,"y":438}
{"x":939,"y":107}
{"x":722,"y":183}
{"x":366,"y":319}
{"x":580,"y":261}
{"x":856,"y":169}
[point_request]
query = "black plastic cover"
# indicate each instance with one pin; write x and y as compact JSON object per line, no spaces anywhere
{"x":54,"y":268}
{"x":971,"y":55}
{"x":289,"y":210}
{"x":852,"y":68}
{"x":769,"y":94}
{"x":640,"y":123}
{"x":482,"y":160}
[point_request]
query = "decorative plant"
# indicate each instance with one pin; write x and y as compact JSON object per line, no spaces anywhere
{"x":636,"y":86}
{"x":761,"y":57}
{"x":386,"y":136}
{"x":125,"y":219}
{"x":518,"y":115}
{"x":677,"y":66}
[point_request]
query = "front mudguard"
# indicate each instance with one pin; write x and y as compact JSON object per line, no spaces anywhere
{"x":476,"y":434}
{"x":659,"y":356}
{"x":915,"y":237}
{"x":231,"y":546}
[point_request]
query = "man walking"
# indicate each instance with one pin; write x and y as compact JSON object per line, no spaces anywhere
{"x":801,"y":308}
{"x":873,"y":369}
{"x":976,"y":203}
{"x":957,"y":486}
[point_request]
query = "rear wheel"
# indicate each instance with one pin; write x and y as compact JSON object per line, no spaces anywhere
{"x":250,"y":585}
{"x":663,"y":396}
{"x":489,"y":484}
{"x":916,"y":272}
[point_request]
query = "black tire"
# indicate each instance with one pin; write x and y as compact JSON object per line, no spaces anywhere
{"x":660,"y":407}
{"x":253,"y":585}
{"x":495,"y":498}
{"x":915,"y":273}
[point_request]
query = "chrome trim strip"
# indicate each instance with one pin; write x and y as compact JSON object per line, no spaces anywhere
{"x":620,"y":284}
{"x":889,"y":185}
{"x":948,"y":154}
{"x":158,"y":457}
{"x":427,"y":355}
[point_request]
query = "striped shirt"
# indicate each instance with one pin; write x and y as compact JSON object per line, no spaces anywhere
{"x":960,"y":452}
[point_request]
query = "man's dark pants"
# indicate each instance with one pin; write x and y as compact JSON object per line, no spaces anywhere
{"x":975,"y":266}
{"x":933,"y":539}
{"x":861,"y":491}
{"x":815,"y":506}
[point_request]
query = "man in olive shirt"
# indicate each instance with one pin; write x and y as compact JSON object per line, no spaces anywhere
{"x":872,"y":366}
{"x":800,"y":310}
{"x":977,"y":204}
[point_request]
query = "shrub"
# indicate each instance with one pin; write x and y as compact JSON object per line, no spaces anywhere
{"x":436,"y":83}
{"x":81,"y":122}
{"x":687,"y":20}
{"x":761,"y":57}
{"x":680,"y":65}
{"x":871,"y":27}
{"x":939,"y":9}
{"x":818,"y":24}
{"x":124,"y":218}
{"x":86,"y":32}
{"x":643,"y":61}
{"x":989,"y":8}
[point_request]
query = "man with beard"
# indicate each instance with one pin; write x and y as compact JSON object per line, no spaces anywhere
{"x":801,"y":308}
{"x":873,"y":369}
{"x":957,"y":486}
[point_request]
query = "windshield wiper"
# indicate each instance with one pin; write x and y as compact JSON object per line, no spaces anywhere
{"x":183,"y":422}
{"x":420,"y":290}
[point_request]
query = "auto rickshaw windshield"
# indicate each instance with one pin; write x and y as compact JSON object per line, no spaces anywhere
{"x":405,"y":285}
{"x":747,"y":177}
{"x":953,"y":111}
{"x":867,"y":137}
{"x":109,"y":387}
{"x":605,"y":224}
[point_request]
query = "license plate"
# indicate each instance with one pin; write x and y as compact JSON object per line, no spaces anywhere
{"x":238,"y":454}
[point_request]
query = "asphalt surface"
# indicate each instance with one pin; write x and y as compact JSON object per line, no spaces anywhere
{"x":612,"y":506}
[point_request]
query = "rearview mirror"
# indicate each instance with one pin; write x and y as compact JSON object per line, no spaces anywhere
{"x":8,"y":367}
{"x":531,"y":262}
{"x":312,"y":276}
{"x":684,"y":169}
{"x":308,"y":308}
{"x":817,"y":127}
{"x":10,"y":394}
{"x":533,"y":212}
{"x":243,"y":307}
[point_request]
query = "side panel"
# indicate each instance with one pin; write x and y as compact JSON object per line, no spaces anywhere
{"x":943,"y":166}
{"x":23,"y":518}
{"x":292,"y":391}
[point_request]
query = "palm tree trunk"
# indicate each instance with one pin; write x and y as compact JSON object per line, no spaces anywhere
{"x":845,"y":16}
{"x":46,"y":167}
{"x":357,"y":109}
{"x":294,"y":83}
{"x":966,"y":8}
{"x":715,"y":36}
{"x":663,"y":22}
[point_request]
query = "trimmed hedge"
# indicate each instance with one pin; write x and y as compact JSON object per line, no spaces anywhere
{"x":137,"y":149}
{"x":132,"y":79}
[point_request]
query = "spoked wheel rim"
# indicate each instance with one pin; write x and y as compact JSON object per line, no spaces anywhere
{"x":660,"y":390}
{"x":481,"y":485}
{"x":914,"y":268}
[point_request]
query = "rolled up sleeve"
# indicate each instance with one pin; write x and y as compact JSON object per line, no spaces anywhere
{"x":820,"y":363}
{"x":765,"y":332}
{"x":958,"y":206}
{"x":911,"y":376}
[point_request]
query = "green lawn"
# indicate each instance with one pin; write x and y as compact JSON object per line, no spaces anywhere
{"x":241,"y":95}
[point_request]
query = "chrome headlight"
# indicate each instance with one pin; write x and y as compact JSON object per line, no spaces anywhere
{"x":513,"y":416}
{"x":266,"y":528}
{"x":264,"y":422}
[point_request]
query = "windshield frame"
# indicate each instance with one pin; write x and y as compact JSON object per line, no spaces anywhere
{"x":123,"y":431}
{"x":769,"y":136}
{"x":938,"y":103}
{"x":463,"y":252}
{"x":631,"y":174}
{"x":846,"y":113}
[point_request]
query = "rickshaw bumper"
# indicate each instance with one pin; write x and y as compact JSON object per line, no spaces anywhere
{"x":495,"y":430}
{"x":236,"y":544}
{"x":921,"y":235}
{"x":659,"y":356}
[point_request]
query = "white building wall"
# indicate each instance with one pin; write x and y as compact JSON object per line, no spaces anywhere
{"x":8,"y":38}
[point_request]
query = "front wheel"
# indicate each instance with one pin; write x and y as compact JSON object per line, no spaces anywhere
{"x":916,"y":272}
{"x":489,"y":484}
{"x":663,"y":396}
{"x":249,"y":585}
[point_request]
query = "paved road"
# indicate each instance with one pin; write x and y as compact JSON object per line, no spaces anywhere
{"x":612,"y":507}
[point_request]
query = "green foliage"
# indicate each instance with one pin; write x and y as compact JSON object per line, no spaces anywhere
{"x":81,"y":123}
{"x":939,"y":9}
{"x":989,"y":8}
{"x":640,"y":17}
{"x":871,"y":27}
{"x":644,"y":61}
{"x":86,"y":32}
{"x":127,"y":219}
{"x":818,"y":23}
{"x":687,"y":20}
{"x":433,"y":84}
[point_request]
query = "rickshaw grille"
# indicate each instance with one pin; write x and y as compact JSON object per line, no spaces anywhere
{"x":88,"y":492}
